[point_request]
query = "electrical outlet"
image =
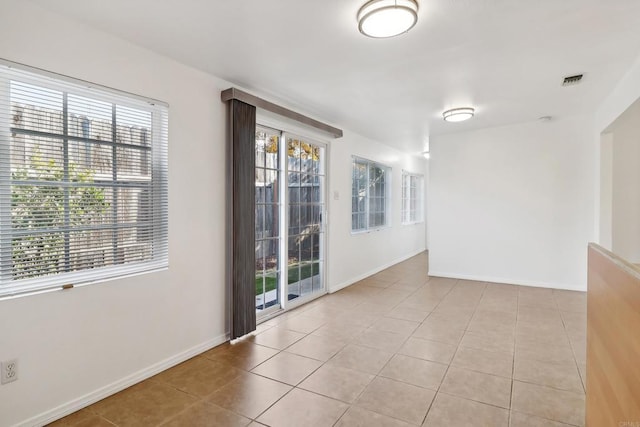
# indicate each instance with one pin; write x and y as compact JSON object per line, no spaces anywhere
{"x":9,"y":371}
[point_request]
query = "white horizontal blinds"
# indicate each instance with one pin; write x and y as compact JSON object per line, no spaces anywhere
{"x":83,"y":183}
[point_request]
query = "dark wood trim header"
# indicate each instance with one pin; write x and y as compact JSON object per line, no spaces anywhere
{"x":233,"y":93}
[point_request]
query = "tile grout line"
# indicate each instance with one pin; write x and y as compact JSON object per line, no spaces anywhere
{"x":323,"y":363}
{"x":354,"y":403}
{"x":473,"y":370}
{"x":542,"y":385}
{"x":396,"y":353}
{"x":575,"y":359}
{"x":435,"y":396}
{"x":513,"y":360}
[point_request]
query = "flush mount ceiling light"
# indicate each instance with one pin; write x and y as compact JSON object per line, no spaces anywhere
{"x":387,"y":18}
{"x":458,"y":114}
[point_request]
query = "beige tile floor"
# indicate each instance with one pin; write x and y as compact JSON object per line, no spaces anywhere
{"x":396,"y":349}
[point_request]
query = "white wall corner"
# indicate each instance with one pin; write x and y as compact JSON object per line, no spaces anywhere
{"x":351,"y":281}
{"x":493,"y":279}
{"x":626,"y":92}
{"x":123,"y":383}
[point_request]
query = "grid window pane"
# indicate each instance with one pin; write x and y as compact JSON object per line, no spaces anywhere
{"x":86,"y":183}
{"x":369,"y":195}
{"x":412,"y":208}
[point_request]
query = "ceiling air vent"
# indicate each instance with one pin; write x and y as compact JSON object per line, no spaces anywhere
{"x":572,"y":80}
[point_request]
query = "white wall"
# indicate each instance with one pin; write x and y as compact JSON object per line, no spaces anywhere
{"x":605,"y":231}
{"x":620,"y":189}
{"x":626,"y":92}
{"x":77,"y":346}
{"x":359,"y":255}
{"x":426,"y":204}
{"x":618,"y":176}
{"x":514,"y":204}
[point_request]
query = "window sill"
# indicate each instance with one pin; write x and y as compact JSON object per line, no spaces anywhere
{"x":18,"y":293}
{"x":369,"y":230}
{"x":413,"y":223}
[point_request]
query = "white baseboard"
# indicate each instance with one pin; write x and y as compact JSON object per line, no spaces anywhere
{"x":509,"y":281}
{"x":99,"y":394}
{"x":378,"y":269}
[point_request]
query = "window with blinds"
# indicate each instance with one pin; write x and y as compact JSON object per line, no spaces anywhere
{"x":369,"y":195}
{"x":83,"y":182}
{"x":412,"y":206}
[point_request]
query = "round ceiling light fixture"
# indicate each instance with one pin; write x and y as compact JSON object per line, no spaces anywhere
{"x":458,"y":114}
{"x":387,"y":18}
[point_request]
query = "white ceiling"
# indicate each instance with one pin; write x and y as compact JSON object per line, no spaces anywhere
{"x":506,"y":58}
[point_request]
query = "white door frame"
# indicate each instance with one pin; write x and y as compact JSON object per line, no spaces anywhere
{"x":265,"y":119}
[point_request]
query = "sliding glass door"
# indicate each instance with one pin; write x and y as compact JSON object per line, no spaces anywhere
{"x":290,"y":211}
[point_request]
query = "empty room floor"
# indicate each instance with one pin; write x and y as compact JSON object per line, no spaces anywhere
{"x":396,"y":349}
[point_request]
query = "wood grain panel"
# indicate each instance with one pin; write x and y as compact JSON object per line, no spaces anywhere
{"x":613,"y":341}
{"x":243,"y":277}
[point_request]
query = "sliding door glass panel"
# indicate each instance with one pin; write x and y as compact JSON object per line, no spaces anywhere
{"x":306,"y":186}
{"x":267,"y":220}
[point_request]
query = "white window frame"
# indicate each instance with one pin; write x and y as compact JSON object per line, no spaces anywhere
{"x":157,"y":185}
{"x":355,"y":194}
{"x":412,"y":193}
